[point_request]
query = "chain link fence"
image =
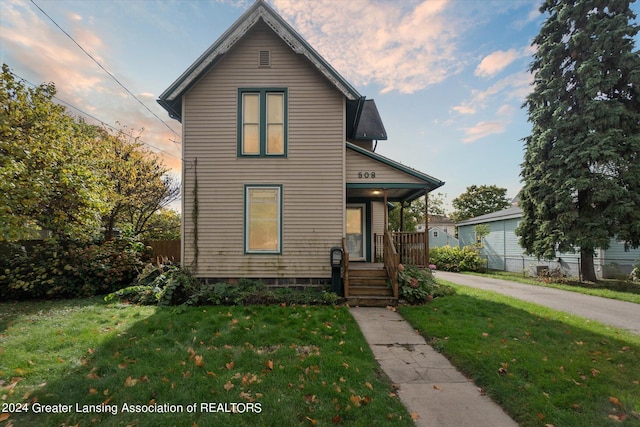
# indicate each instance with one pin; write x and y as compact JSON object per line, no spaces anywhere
{"x":566,"y":266}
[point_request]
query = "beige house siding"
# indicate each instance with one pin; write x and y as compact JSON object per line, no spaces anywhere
{"x":359,"y":163}
{"x":377,"y":223}
{"x":311,"y":174}
{"x":377,"y":217}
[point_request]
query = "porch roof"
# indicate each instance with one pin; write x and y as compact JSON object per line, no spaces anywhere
{"x":400,"y":182}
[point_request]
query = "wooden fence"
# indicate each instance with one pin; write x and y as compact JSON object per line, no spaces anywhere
{"x":166,"y":248}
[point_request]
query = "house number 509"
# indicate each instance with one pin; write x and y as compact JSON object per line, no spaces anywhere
{"x":366,"y":174}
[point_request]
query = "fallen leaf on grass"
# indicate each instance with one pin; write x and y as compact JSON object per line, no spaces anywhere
{"x":312,"y":421}
{"x":228,"y":386}
{"x":130,"y":382}
{"x":199,"y":361}
{"x":269,"y":364}
{"x":4,"y":416}
{"x":249,"y":379}
{"x":615,"y":401}
{"x":355,"y":400}
{"x":368,"y":385}
{"x":230,"y":365}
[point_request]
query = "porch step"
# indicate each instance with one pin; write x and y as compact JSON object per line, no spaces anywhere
{"x":369,"y":286}
{"x":363,"y":290}
{"x":371,"y":301}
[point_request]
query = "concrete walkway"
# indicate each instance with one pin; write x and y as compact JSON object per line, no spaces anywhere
{"x":620,"y":314}
{"x":429,"y":386}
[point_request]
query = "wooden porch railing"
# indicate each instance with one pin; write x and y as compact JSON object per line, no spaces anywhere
{"x":409,"y":246}
{"x":391,"y":261}
{"x":345,"y":268}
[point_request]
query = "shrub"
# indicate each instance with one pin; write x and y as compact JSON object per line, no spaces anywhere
{"x":172,"y":285}
{"x":456,"y":259}
{"x":418,"y":286}
{"x":51,"y":269}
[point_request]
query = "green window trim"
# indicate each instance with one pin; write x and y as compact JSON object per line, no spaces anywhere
{"x":259,"y":230}
{"x":255,"y":118}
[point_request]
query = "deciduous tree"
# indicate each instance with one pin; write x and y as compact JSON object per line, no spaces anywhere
{"x":139,"y":184}
{"x":479,"y":200}
{"x":581,"y":168}
{"x":48,"y":177}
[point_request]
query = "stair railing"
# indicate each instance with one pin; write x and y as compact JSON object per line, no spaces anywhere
{"x":391,"y":261}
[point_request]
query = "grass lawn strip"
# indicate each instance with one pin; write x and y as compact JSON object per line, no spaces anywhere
{"x":542,"y":366}
{"x":630,"y":294}
{"x":300,"y":365}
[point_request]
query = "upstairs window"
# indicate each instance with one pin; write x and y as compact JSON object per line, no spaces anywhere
{"x":262,"y":122}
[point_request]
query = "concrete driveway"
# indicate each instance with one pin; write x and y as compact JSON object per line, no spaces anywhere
{"x":620,"y":314}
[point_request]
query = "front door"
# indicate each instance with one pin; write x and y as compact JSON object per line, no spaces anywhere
{"x":356,"y":242}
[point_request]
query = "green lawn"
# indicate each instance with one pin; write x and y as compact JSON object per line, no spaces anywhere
{"x":280,"y":366}
{"x":542,"y":366}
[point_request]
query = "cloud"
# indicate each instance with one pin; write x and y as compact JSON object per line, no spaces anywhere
{"x":483,"y":129}
{"x":38,"y":51}
{"x":401,"y":47}
{"x":464,"y":109}
{"x":515,"y":86}
{"x":505,"y":110}
{"x":495,"y":62}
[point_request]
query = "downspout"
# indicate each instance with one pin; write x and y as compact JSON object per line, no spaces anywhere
{"x":504,"y":245}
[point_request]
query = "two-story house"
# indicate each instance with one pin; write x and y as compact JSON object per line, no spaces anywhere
{"x":278,"y":158}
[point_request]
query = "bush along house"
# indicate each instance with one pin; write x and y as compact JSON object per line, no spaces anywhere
{"x":279,"y":166}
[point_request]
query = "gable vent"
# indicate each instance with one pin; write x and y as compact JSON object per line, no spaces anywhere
{"x":264,"y":58}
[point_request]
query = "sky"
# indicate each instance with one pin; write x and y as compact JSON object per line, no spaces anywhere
{"x":448,"y":76}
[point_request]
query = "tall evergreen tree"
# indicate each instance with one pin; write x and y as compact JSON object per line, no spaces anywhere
{"x":581,"y":168}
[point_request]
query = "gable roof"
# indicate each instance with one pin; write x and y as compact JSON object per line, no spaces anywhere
{"x":171,"y":98}
{"x":408,"y":189}
{"x":508,"y":213}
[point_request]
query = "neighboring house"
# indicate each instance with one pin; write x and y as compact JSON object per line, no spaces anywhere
{"x":502,"y":250}
{"x":278,"y":158}
{"x":439,"y":238}
{"x":440,"y":221}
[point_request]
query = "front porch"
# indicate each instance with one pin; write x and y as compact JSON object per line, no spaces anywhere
{"x":371,"y":252}
{"x":376,"y":283}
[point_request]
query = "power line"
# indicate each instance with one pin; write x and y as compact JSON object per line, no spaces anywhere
{"x":105,"y":70}
{"x":98,"y":120}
